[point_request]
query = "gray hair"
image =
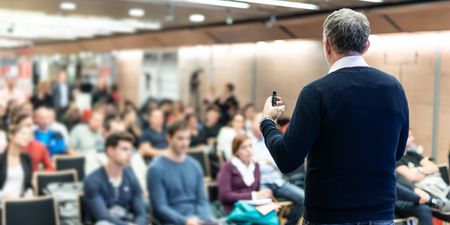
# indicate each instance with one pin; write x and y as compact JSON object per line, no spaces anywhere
{"x":347,"y":31}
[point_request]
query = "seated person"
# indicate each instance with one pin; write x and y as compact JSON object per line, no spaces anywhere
{"x":271,"y":176}
{"x":15,"y":165}
{"x":112,"y":193}
{"x":413,"y":203}
{"x":88,"y":138}
{"x":175,"y":182}
{"x":37,"y":151}
{"x":421,"y":172}
{"x":227,"y":134}
{"x":198,"y":136}
{"x":53,"y":140}
{"x":239,"y":178}
{"x":212,"y":125}
{"x":153,"y":141}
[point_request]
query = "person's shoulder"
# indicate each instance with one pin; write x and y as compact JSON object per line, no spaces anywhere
{"x":158,"y":163}
{"x":96,"y":176}
{"x":26,"y":157}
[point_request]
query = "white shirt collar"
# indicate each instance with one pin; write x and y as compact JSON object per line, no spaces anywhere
{"x":348,"y":61}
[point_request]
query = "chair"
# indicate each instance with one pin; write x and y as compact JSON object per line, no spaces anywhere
{"x":45,"y":178}
{"x":64,"y":162}
{"x":36,"y":211}
{"x":201,"y":156}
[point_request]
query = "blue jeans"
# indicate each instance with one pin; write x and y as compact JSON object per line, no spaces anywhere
{"x":383,"y":222}
{"x":292,"y":193}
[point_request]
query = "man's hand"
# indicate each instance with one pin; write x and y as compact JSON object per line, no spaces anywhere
{"x":424,"y":197}
{"x":273,"y":112}
{"x":194,"y":221}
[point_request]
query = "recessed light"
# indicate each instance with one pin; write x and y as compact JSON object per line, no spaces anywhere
{"x":136,"y":12}
{"x":197,"y":18}
{"x":67,"y":6}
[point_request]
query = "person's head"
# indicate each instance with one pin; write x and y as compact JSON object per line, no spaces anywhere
{"x":229,"y":88}
{"x":119,"y":148}
{"x":212,"y":116}
{"x":43,"y":118}
{"x":23,"y":119}
{"x":345,"y":32}
{"x":179,"y":137}
{"x":129,"y":116}
{"x":249,"y":111}
{"x":11,"y":82}
{"x":43,"y":87}
{"x":62,"y":76}
{"x":156,"y":119}
{"x":27,"y":107}
{"x":242,"y":148}
{"x":166,"y":105}
{"x":96,"y":121}
{"x":113,"y":124}
{"x":191,"y":121}
{"x":255,"y":126}
{"x":410,"y":140}
{"x":20,"y":136}
{"x":237,"y":122}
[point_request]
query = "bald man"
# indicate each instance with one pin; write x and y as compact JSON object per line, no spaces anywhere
{"x":51,"y":138}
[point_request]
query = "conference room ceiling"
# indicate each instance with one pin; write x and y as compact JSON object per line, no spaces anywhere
{"x":167,"y":23}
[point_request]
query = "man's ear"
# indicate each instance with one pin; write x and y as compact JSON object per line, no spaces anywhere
{"x":328,"y":47}
{"x":366,"y":47}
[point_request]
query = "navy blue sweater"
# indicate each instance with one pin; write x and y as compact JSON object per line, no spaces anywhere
{"x":100,"y":197}
{"x":352,"y":125}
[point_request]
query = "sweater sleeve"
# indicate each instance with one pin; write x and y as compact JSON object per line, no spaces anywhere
{"x":203,"y":208}
{"x":290,"y":150}
{"x":158,"y":198}
{"x":96,"y":205}
{"x":406,"y":194}
{"x":404,"y":133}
{"x":48,"y":164}
{"x":226,"y":193}
{"x":137,"y":202}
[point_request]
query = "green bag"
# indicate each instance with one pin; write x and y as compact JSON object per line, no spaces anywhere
{"x":247,"y":214}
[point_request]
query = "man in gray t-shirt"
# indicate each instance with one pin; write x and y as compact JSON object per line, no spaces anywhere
{"x":87,"y":138}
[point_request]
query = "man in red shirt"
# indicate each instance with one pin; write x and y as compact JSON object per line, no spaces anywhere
{"x":38,"y":152}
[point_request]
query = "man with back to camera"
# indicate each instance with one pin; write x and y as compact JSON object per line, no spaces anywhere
{"x":353,"y":126}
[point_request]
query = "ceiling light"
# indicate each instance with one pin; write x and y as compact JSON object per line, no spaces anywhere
{"x":67,"y":6}
{"x":8,"y":43}
{"x":287,"y":4}
{"x":136,"y":12}
{"x":229,"y":20}
{"x":376,"y":1}
{"x":197,"y":18}
{"x":230,"y":4}
{"x":277,"y":42}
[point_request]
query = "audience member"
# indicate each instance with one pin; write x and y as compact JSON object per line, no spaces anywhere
{"x":43,"y":96}
{"x":112,"y":192}
{"x":12,"y":93}
{"x":227,"y":134}
{"x":228,"y":104}
{"x":153,"y":141}
{"x":198,"y":136}
{"x":88,"y":138}
{"x":271,"y":176}
{"x":53,"y":140}
{"x":37,"y":151}
{"x":239,"y":178}
{"x":57,"y":126}
{"x":16,"y":165}
{"x":413,"y":203}
{"x":62,"y":93}
{"x":249,"y":113}
{"x":175,"y":183}
{"x":129,"y":118}
{"x":212,"y":125}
